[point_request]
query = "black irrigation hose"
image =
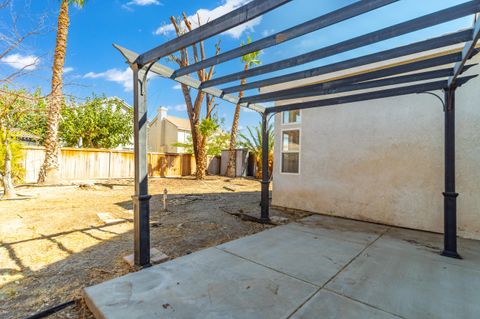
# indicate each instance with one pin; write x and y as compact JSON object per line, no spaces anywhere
{"x":51,"y":311}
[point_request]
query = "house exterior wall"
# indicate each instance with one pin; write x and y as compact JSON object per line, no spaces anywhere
{"x":155,"y":135}
{"x":170,"y":135}
{"x":383,"y":161}
{"x":162,"y":134}
{"x":182,"y":137}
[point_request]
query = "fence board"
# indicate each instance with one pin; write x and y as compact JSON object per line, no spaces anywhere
{"x":85,"y":164}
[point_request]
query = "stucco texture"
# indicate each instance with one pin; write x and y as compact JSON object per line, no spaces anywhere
{"x":383,"y":161}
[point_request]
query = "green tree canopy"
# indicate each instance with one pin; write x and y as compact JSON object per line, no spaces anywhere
{"x":99,"y":122}
{"x":35,"y":121}
{"x":216,"y":137}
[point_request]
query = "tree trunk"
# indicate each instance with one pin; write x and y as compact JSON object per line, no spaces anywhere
{"x":8,"y":188}
{"x":49,"y":170}
{"x":231,"y":167}
{"x":201,"y":159}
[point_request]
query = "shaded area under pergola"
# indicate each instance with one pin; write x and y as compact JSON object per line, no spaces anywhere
{"x":410,"y":78}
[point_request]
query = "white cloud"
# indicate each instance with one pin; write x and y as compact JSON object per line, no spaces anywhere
{"x":178,"y":107}
{"x":143,"y":2}
{"x":267,"y":32}
{"x":124,"y":77}
{"x":18,"y":61}
{"x":67,"y":69}
{"x":177,"y":86}
{"x":207,"y":15}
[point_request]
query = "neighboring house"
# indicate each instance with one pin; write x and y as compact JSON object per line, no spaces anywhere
{"x":164,"y":131}
{"x":379,"y":160}
{"x":26,"y":138}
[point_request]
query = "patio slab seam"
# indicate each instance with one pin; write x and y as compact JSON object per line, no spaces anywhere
{"x":340,"y":271}
{"x":362,"y":302}
{"x":268,"y":267}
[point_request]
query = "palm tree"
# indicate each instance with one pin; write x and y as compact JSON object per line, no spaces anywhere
{"x":253,"y":142}
{"x":249,"y":60}
{"x":49,"y":170}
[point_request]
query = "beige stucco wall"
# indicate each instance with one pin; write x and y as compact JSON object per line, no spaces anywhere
{"x":162,"y":135}
{"x":171,"y":137}
{"x":382,"y":161}
{"x":155,"y":136}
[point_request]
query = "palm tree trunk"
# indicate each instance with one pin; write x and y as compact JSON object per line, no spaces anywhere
{"x":8,"y":188}
{"x":49,"y":171}
{"x":201,"y":159}
{"x":231,"y":167}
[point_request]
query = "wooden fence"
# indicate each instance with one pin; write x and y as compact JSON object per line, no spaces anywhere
{"x":86,"y":164}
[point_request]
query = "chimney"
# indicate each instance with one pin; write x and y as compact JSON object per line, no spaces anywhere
{"x":162,"y":112}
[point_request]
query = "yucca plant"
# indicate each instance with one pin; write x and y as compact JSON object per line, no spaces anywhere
{"x":253,"y":142}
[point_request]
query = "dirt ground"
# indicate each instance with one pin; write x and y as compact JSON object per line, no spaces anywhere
{"x":53,"y":245}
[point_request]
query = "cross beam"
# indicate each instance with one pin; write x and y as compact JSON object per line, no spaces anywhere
{"x":314,"y":91}
{"x":420,"y":23}
{"x":331,"y":18}
{"x":166,"y":72}
{"x":417,"y":47}
{"x":303,"y":91}
{"x":466,"y":54}
{"x":228,"y":21}
{"x":405,"y":90}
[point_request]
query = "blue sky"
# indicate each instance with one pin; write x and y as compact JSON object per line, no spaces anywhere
{"x":94,"y":66}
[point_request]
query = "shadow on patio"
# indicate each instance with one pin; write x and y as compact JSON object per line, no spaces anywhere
{"x":41,"y":270}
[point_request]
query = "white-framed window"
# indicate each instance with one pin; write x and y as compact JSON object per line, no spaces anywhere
{"x":291,"y":117}
{"x":290,"y":151}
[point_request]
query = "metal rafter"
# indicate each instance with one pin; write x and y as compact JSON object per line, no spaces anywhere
{"x":314,"y":91}
{"x":420,"y":23}
{"x":418,"y":88}
{"x":466,"y":54}
{"x":369,"y":75}
{"x":417,"y":47}
{"x":166,"y":72}
{"x":228,"y":21}
{"x":345,"y":13}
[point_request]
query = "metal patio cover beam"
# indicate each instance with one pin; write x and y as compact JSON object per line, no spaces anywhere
{"x":228,"y":21}
{"x":430,"y":44}
{"x":330,"y":84}
{"x":418,"y":88}
{"x":166,"y":72}
{"x":420,"y":23}
{"x":466,"y":54}
{"x":331,"y":18}
{"x":314,"y":90}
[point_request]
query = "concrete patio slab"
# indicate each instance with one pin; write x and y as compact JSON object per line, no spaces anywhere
{"x":328,"y":305}
{"x":320,"y":267}
{"x":403,"y":273}
{"x":207,"y":284}
{"x":298,"y":252}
